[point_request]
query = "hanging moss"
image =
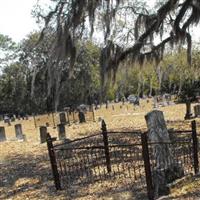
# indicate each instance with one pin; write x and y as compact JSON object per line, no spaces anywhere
{"x":69,"y":18}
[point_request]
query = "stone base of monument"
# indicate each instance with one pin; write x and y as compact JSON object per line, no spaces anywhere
{"x":163,"y":177}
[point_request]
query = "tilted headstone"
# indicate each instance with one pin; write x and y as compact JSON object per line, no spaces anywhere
{"x":2,"y":134}
{"x":43,"y":134}
{"x":62,"y":118}
{"x":61,"y":132}
{"x":166,"y":168}
{"x":197,"y":111}
{"x":18,"y":132}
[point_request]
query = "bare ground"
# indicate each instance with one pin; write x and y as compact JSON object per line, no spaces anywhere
{"x":25,"y":170}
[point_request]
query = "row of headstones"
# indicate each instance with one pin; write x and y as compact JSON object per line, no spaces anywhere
{"x":43,"y":133}
{"x":61,"y":133}
{"x":18,"y":133}
{"x":162,"y":101}
{"x":63,"y":119}
{"x":12,"y":119}
{"x":113,"y":107}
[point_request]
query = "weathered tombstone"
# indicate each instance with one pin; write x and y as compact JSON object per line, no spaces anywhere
{"x":164,"y":100}
{"x":166,"y":168}
{"x":7,"y":120}
{"x":18,"y":132}
{"x":81,"y":117}
{"x":61,"y":132}
{"x":2,"y":134}
{"x":62,"y":118}
{"x":197,"y":110}
{"x":43,"y":134}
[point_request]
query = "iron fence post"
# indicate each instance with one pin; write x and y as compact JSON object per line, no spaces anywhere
{"x":53,"y":162}
{"x":106,"y":148}
{"x":195,"y":147}
{"x":147,"y":166}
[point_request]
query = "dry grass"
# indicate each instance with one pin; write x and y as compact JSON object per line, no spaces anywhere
{"x":24,"y":166}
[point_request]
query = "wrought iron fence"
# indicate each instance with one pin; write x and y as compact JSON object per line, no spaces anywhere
{"x":111,"y":155}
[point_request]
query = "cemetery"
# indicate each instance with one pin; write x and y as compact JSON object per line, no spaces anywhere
{"x":110,"y":154}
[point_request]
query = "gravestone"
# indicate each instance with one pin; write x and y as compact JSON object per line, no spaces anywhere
{"x":7,"y":120}
{"x":61,"y":132}
{"x":43,"y":134}
{"x":188,"y":114}
{"x":197,"y":110}
{"x":2,"y":134}
{"x":62,"y":118}
{"x":81,"y":117}
{"x":166,"y":168}
{"x":18,"y":132}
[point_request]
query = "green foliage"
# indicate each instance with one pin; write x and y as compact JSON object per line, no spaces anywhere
{"x":13,"y":89}
{"x":8,"y":50}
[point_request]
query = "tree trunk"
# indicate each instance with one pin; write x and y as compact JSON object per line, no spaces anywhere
{"x":166,"y":170}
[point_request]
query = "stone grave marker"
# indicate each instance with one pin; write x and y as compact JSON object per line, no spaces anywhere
{"x":18,"y":132}
{"x":43,"y":134}
{"x":61,"y":132}
{"x":62,"y":118}
{"x":166,"y":169}
{"x":2,"y":134}
{"x":81,"y":117}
